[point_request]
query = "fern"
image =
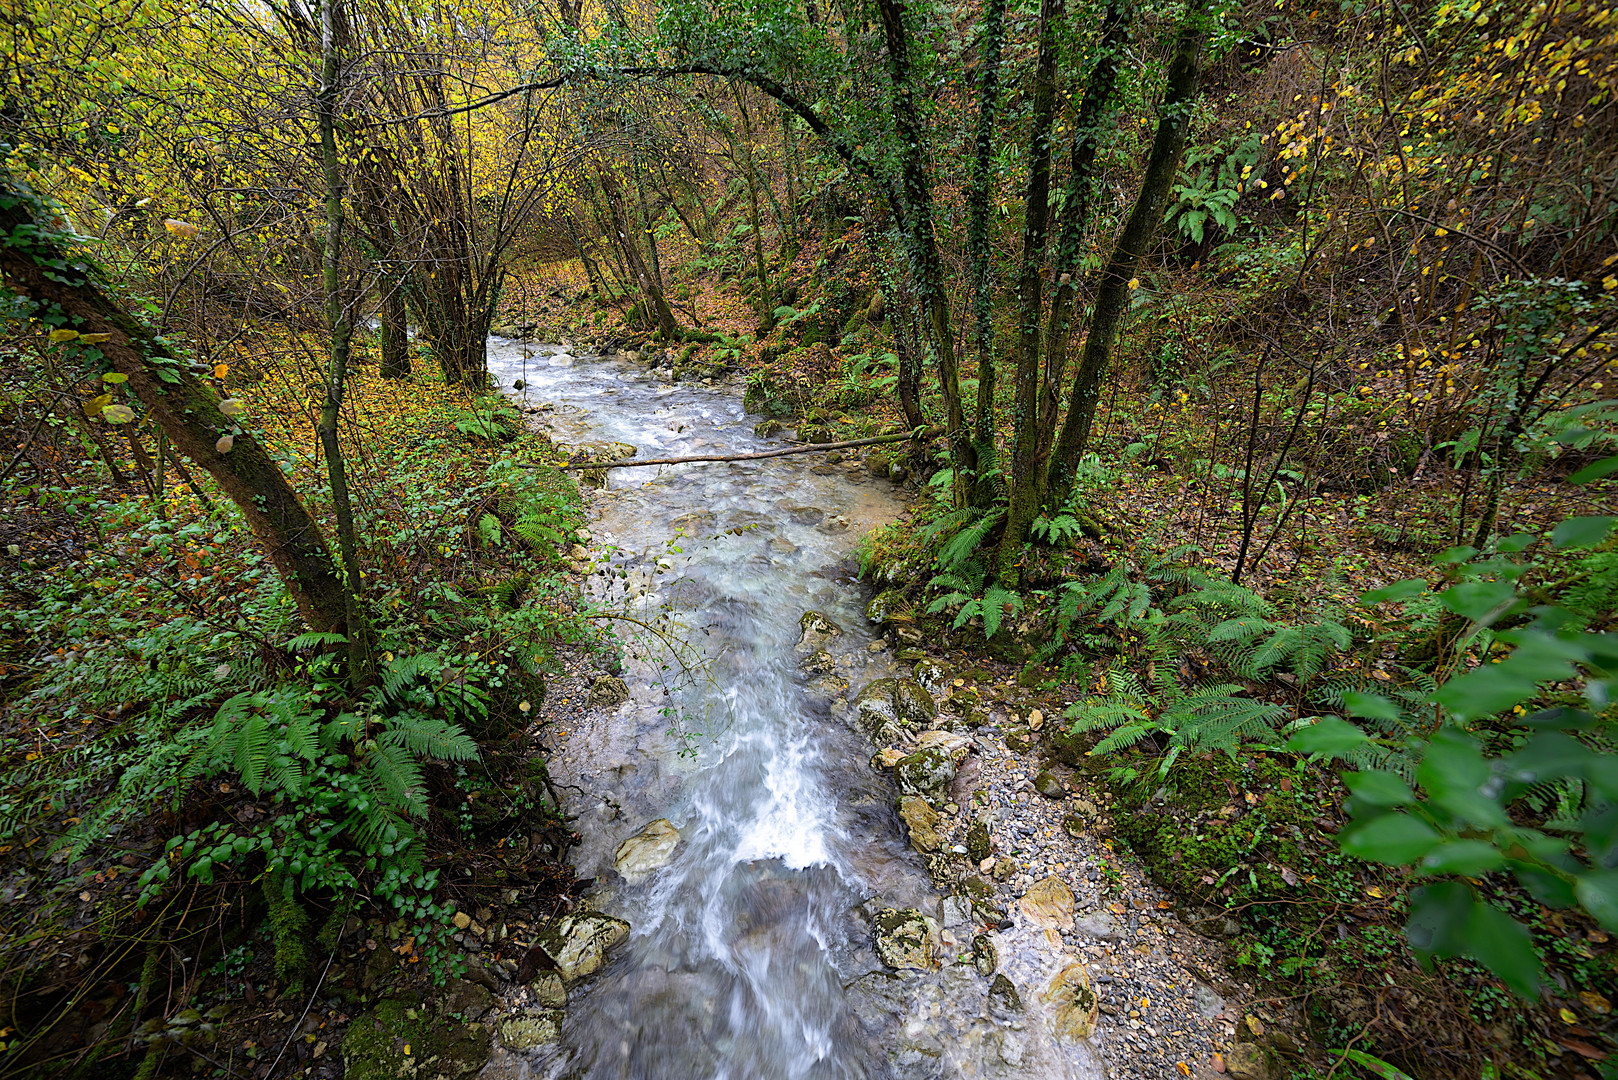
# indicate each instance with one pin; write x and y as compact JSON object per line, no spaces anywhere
{"x":313,"y":639}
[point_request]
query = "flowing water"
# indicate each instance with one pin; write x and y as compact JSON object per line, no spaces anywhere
{"x":751,"y":952}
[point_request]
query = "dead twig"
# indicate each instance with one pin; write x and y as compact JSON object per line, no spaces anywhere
{"x":810,"y":448}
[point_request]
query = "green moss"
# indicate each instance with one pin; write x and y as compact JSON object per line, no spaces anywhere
{"x":401,"y":1038}
{"x":289,"y":924}
{"x":977,"y":842}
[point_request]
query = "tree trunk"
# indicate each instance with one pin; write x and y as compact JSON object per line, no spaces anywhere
{"x":394,"y":334}
{"x":1027,"y":473}
{"x":340,"y":324}
{"x":917,"y":224}
{"x":33,"y":267}
{"x":987,"y":481}
{"x":1140,"y":228}
{"x":662,"y":315}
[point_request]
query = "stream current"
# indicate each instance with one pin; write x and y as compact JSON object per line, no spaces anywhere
{"x":750,"y":955}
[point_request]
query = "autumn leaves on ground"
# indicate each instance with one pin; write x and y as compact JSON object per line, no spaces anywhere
{"x":1272,"y":348}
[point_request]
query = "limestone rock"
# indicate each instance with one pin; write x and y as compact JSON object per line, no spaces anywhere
{"x":647,"y":852}
{"x":440,"y":1048}
{"x":533,"y":1028}
{"x":465,"y":1000}
{"x":922,"y":821}
{"x":978,"y":847}
{"x":1073,"y":1004}
{"x":884,"y":605}
{"x":926,"y":772}
{"x":549,"y":991}
{"x":1047,"y":784}
{"x":816,"y":631}
{"x":578,"y":942}
{"x":887,"y":759}
{"x":1049,"y":904}
{"x":952,"y":743}
{"x":905,"y":940}
{"x":1099,"y":924}
{"x":1019,"y":741}
{"x":608,"y":691}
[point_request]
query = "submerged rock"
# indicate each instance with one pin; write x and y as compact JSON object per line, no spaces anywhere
{"x":647,"y":852}
{"x":819,"y":662}
{"x":922,"y":820}
{"x":1049,"y":904}
{"x":578,"y":942}
{"x":905,"y":940}
{"x":1004,"y":1002}
{"x":816,"y":631}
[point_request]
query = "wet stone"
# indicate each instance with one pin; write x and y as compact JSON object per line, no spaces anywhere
{"x":608,"y":691}
{"x":1049,"y":904}
{"x":537,"y":1027}
{"x":1004,"y":1003}
{"x":579,"y":941}
{"x":647,"y":852}
{"x":922,"y":821}
{"x":819,"y":662}
{"x":913,"y":704}
{"x":926,"y":772}
{"x":816,"y":631}
{"x":1047,"y":784}
{"x":905,"y":940}
{"x":1073,"y":1004}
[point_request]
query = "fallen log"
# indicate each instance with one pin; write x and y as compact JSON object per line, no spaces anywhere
{"x":808,"y":448}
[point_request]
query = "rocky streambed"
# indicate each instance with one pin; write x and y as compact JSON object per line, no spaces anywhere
{"x":821,"y":850}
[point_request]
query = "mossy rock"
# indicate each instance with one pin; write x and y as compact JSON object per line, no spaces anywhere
{"x":1063,"y":746}
{"x":978,"y":846}
{"x":905,"y":939}
{"x":927,"y":772}
{"x":401,"y":1038}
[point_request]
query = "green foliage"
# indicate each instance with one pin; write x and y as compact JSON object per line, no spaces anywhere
{"x":1486,"y":768}
{"x":1214,"y":179}
{"x":493,"y":419}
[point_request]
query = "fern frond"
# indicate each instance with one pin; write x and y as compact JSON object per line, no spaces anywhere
{"x":431,"y":737}
{"x":314,"y":638}
{"x":396,"y":776}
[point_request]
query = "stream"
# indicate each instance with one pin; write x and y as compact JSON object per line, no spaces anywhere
{"x":751,"y":950}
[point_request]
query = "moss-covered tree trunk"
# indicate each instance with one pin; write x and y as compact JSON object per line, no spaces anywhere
{"x":1139,"y":231}
{"x":394,"y":335}
{"x":64,"y":295}
{"x":987,"y":481}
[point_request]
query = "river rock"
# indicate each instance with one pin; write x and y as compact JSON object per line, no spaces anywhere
{"x":549,"y":991}
{"x":536,"y":1027}
{"x":887,"y":758}
{"x":884,"y":605}
{"x":1099,"y":924}
{"x":440,"y":1048}
{"x":1049,"y":904}
{"x":608,"y":691}
{"x":922,"y":821}
{"x":578,"y":942}
{"x":926,"y":772}
{"x":465,"y":1000}
{"x":1019,"y":740}
{"x":1073,"y":1004}
{"x":905,"y":940}
{"x":816,"y":631}
{"x":800,"y":514}
{"x":1048,"y":785}
{"x":984,"y":956}
{"x":647,"y":852}
{"x":913,"y":704}
{"x":819,"y":662}
{"x":952,"y":743}
{"x":874,"y":711}
{"x":934,"y":677}
{"x":1004,"y":1003}
{"x":978,"y":847}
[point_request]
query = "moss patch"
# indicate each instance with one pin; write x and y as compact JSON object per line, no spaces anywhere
{"x":401,"y":1039}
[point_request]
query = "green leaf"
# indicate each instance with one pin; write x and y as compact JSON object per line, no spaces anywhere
{"x":1478,"y":600}
{"x":1468,"y":858}
{"x":1604,"y":467}
{"x":1378,"y":788}
{"x":1374,"y":1065}
{"x":1370,"y":706}
{"x":1583,"y":532}
{"x":1399,"y":590}
{"x":1501,"y":944}
{"x":1597,"y":891}
{"x":1329,"y":736}
{"x":1394,"y":839}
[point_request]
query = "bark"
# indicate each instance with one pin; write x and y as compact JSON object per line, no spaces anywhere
{"x":662,"y":314}
{"x":917,"y":222}
{"x":63,"y":294}
{"x":1027,"y":473}
{"x":340,"y":324}
{"x":1139,"y":231}
{"x":394,"y":335}
{"x":987,"y":481}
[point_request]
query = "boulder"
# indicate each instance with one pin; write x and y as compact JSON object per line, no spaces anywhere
{"x":905,"y":940}
{"x":440,"y":1048}
{"x":1004,"y":1003}
{"x":1048,"y":785}
{"x":952,"y":743}
{"x":1249,"y":1061}
{"x":819,"y":662}
{"x":884,"y":605}
{"x":465,"y":1000}
{"x":1019,"y":740}
{"x":578,"y":942}
{"x":816,"y":631}
{"x":1065,"y":747}
{"x":1073,"y":1004}
{"x":934,"y":677}
{"x":888,"y":758}
{"x":922,"y":820}
{"x":549,"y":991}
{"x":926,"y":772}
{"x":608,"y":691}
{"x":647,"y":852}
{"x":536,"y":1027}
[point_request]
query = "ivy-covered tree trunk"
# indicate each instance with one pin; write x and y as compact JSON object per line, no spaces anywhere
{"x":1140,"y":229}
{"x":987,"y":481}
{"x":63,"y":294}
{"x":1027,"y":474}
{"x":917,"y":225}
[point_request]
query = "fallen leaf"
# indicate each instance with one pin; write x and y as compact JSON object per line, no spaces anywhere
{"x":1567,"y":1015}
{"x":1583,"y":1049}
{"x":1288,"y":876}
{"x":84,"y":896}
{"x":1374,"y":891}
{"x":462,"y":920}
{"x":1117,"y":909}
{"x":1217,"y":1062}
{"x":1595,"y":1002}
{"x":1255,"y":1025}
{"x":1185,"y":1070}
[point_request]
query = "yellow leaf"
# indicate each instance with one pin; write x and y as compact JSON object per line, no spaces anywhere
{"x":1134,"y":283}
{"x":1567,"y":1015}
{"x":225,"y":443}
{"x":63,"y":335}
{"x":221,"y":370}
{"x":94,"y":339}
{"x":117,"y":414}
{"x":185,"y":230}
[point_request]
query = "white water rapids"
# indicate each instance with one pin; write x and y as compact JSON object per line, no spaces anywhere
{"x":750,"y":956}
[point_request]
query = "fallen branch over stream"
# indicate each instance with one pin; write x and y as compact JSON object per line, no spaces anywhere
{"x":808,"y":448}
